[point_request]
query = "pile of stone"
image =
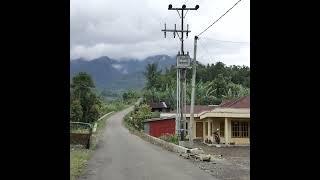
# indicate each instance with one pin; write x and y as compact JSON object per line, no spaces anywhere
{"x":198,"y":154}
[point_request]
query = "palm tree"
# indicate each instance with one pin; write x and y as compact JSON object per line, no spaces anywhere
{"x":151,"y":75}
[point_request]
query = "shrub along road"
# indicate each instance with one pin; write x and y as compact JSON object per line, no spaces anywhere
{"x":120,"y":155}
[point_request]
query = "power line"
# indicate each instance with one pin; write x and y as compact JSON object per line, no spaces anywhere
{"x":203,"y":47}
{"x":203,"y":54}
{"x":219,"y":18}
{"x":244,"y":42}
{"x":206,"y":54}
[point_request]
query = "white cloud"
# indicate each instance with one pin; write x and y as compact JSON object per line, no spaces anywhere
{"x":127,"y":28}
{"x":117,"y":66}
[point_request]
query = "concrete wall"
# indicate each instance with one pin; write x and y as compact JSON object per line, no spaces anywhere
{"x":240,"y":140}
{"x":166,"y":145}
{"x":146,"y":128}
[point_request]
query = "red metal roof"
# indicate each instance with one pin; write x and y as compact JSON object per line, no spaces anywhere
{"x":243,"y":102}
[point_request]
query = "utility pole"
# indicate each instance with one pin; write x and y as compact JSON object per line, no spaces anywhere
{"x":183,"y":63}
{"x":193,"y":84}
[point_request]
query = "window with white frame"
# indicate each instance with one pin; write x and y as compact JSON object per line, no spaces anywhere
{"x":240,"y":129}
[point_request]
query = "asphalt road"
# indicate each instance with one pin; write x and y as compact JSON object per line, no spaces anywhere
{"x":123,"y":156}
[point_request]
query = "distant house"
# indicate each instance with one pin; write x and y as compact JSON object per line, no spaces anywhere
{"x":159,"y":107}
{"x":231,"y":117}
{"x":159,"y":126}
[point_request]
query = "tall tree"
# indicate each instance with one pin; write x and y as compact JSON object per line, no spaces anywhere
{"x":83,"y":94}
{"x":151,"y":74}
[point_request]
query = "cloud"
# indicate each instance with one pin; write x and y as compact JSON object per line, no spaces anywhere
{"x":127,"y":28}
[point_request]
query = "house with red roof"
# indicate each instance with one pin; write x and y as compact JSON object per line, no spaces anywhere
{"x":231,"y":118}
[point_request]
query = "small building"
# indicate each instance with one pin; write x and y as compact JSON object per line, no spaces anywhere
{"x":197,"y":110}
{"x":159,"y":107}
{"x":159,"y":126}
{"x":231,"y":117}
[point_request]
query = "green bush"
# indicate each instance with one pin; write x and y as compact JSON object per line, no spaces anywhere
{"x":155,"y":114}
{"x":138,"y":115}
{"x":172,"y":138}
{"x":75,"y":110}
{"x":130,"y":96}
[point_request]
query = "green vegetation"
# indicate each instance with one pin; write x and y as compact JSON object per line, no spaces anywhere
{"x":170,"y":138}
{"x":130,"y":96}
{"x":85,"y":105}
{"x":114,"y":105}
{"x":214,"y":83}
{"x":78,"y":161}
{"x":155,"y":114}
{"x":136,"y":118}
{"x":127,"y":121}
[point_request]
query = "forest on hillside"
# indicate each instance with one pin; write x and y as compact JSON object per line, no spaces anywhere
{"x":214,"y":83}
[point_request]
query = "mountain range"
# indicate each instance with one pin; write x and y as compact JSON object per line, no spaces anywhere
{"x":118,"y":74}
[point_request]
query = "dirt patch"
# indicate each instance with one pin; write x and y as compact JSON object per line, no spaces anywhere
{"x":233,"y":164}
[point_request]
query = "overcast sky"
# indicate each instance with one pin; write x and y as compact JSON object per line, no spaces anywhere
{"x":132,"y":29}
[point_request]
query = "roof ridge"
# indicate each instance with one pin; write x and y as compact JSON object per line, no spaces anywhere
{"x":227,"y":103}
{"x":232,"y":102}
{"x":236,"y":101}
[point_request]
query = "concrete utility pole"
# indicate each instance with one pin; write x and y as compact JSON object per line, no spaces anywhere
{"x":183,"y":63}
{"x":193,"y":84}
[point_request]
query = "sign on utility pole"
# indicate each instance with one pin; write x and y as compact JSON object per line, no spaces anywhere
{"x":183,"y":63}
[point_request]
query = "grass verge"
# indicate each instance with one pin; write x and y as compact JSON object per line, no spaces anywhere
{"x":78,"y":161}
{"x":171,"y":138}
